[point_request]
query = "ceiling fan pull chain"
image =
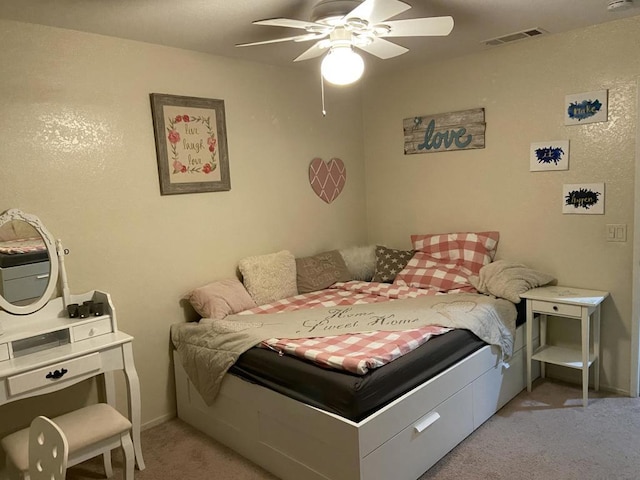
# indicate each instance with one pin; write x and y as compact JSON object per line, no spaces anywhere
{"x":324,"y":112}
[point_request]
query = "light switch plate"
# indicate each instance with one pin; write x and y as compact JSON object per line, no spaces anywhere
{"x":616,"y":232}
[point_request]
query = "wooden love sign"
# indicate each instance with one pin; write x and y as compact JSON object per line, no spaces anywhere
{"x":327,"y":179}
{"x":446,"y":132}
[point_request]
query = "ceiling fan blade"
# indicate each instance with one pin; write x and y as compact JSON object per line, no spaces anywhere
{"x":310,"y":36}
{"x":376,"y":11}
{"x":315,"y":51}
{"x":297,"y":38}
{"x":383,"y":48}
{"x":419,"y":27}
{"x":290,"y":23}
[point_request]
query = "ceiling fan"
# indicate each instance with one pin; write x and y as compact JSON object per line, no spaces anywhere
{"x":338,"y":26}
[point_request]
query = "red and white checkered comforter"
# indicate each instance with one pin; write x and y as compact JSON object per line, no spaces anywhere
{"x":356,"y":353}
{"x":22,"y":245}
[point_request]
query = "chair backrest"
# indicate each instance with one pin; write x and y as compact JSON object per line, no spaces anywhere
{"x":48,"y":450}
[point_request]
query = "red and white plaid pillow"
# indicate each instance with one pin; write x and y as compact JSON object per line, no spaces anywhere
{"x":444,"y":262}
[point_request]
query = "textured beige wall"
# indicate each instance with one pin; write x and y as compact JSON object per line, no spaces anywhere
{"x":522,"y":87}
{"x":77,"y":149}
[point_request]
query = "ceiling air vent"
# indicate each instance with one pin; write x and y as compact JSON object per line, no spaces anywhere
{"x":512,"y":37}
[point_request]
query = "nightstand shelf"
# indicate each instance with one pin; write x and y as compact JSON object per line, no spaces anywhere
{"x":564,"y":356}
{"x":570,"y":303}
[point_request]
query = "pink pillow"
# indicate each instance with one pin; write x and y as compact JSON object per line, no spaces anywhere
{"x":426,"y":272}
{"x":219,"y":299}
{"x":474,"y":249}
{"x":444,"y":262}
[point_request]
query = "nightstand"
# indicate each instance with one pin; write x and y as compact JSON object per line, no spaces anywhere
{"x":571,"y":303}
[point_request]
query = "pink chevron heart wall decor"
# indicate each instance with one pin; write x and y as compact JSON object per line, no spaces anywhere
{"x":327,"y":179}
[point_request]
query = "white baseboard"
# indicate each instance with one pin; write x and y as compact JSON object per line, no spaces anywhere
{"x":157,"y":421}
{"x":569,"y":378}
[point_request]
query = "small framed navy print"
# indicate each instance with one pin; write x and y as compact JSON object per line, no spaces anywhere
{"x":589,"y":107}
{"x":551,"y":155}
{"x":583,"y":198}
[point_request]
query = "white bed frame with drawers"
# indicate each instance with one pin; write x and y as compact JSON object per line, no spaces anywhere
{"x":402,"y":440}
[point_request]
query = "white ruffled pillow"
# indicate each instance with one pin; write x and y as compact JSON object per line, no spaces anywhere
{"x":360,"y":261}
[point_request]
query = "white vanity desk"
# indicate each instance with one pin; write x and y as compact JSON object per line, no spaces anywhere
{"x":42,"y":349}
{"x":47,"y":351}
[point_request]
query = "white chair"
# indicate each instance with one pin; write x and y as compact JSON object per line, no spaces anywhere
{"x":90,"y":431}
{"x":48,"y":450}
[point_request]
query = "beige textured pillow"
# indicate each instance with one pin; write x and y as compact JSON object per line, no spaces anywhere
{"x":321,"y":271}
{"x":270,"y":277}
{"x":218,"y":299}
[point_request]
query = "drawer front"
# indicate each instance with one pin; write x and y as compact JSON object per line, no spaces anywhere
{"x":396,"y":416}
{"x":54,"y":373}
{"x":556,"y":308}
{"x":31,"y":269}
{"x":497,"y":386}
{"x":4,"y":352}
{"x":91,"y":329}
{"x":25,"y":287}
{"x":419,"y":446}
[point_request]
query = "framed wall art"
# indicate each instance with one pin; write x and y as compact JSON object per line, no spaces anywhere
{"x":191,"y":144}
{"x":581,"y":108}
{"x":583,"y":198}
{"x":552,"y":155}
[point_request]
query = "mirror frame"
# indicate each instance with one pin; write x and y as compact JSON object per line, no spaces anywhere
{"x":16,"y":214}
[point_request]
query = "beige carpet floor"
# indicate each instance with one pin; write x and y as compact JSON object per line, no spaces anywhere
{"x":542,"y":435}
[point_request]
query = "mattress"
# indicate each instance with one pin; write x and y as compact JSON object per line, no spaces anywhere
{"x":357,"y":396}
{"x":22,"y":252}
{"x":15,"y":259}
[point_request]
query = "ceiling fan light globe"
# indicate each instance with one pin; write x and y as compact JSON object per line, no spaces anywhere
{"x":342,"y":66}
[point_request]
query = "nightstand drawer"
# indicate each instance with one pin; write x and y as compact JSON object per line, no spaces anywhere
{"x":92,"y":329}
{"x":556,"y":308}
{"x":54,"y":373}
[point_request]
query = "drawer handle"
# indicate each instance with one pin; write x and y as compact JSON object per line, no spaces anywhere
{"x":555,"y":308}
{"x":56,"y":374}
{"x":426,"y":422}
{"x":40,"y":277}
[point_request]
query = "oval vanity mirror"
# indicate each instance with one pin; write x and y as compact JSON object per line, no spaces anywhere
{"x":28,"y":263}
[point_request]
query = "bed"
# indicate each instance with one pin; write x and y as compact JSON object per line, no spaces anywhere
{"x":410,"y":412}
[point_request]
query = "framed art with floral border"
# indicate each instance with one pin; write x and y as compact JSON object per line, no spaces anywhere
{"x":191,"y":144}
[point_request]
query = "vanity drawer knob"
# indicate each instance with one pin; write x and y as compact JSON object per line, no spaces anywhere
{"x":92,"y":332}
{"x":555,"y":308}
{"x":56,"y":374}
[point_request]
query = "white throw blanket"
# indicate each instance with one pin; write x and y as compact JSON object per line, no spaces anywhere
{"x":208,"y":351}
